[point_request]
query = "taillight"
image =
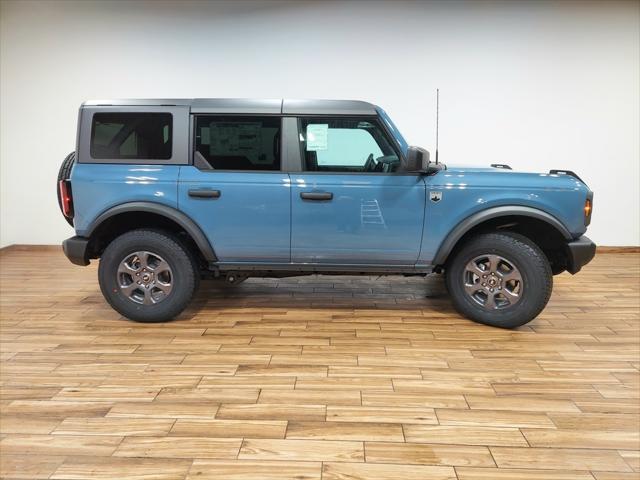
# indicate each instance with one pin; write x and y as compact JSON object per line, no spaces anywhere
{"x":66,"y":198}
{"x":588,"y":207}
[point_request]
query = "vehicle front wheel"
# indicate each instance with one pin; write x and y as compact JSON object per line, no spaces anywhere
{"x":499,"y":279}
{"x":147,"y":275}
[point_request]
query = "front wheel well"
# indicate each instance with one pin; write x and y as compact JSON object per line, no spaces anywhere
{"x":547,"y":237}
{"x":116,"y":225}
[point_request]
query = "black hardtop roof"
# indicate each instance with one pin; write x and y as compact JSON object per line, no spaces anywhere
{"x":250,"y":106}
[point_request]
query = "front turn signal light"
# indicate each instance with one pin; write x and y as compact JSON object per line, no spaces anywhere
{"x":587,"y":211}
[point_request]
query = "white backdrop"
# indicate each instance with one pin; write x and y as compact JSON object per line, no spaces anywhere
{"x":537,"y":85}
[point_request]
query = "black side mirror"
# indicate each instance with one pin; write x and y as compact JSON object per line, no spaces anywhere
{"x":417,"y":160}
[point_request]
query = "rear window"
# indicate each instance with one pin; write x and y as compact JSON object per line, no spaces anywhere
{"x":139,"y":136}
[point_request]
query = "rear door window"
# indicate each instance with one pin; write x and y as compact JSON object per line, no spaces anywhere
{"x":238,"y":143}
{"x":132,"y":136}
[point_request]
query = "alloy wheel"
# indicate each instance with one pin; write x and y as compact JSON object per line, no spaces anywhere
{"x":493,"y":282}
{"x":145,"y":278}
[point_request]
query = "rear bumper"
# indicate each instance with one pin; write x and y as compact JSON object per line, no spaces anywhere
{"x":75,"y":248}
{"x":580,"y":252}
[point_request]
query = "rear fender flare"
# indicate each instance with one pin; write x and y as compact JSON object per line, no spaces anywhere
{"x":177,"y":216}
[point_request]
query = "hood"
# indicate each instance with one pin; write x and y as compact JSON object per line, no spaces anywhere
{"x":493,"y":176}
{"x":456,"y":167}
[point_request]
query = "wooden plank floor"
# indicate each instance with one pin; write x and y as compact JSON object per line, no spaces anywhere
{"x":317,"y":377}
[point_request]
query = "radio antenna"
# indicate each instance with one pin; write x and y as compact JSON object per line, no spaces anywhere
{"x":437,"y":120}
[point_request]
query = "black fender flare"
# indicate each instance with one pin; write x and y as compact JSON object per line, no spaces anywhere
{"x":171,"y":213}
{"x":502,"y":211}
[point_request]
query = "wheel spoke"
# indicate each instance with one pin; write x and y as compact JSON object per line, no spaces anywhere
{"x":126,"y":269}
{"x":144,"y":259}
{"x":164,"y":287}
{"x":472,"y":289}
{"x":473,"y":267}
{"x":162,"y":266}
{"x":494,"y":260}
{"x":512,"y":297}
{"x":148,"y":299}
{"x":490,"y":302}
{"x":129,"y":289}
{"x":510,"y":275}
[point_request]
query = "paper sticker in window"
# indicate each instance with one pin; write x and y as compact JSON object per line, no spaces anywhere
{"x":317,"y":136}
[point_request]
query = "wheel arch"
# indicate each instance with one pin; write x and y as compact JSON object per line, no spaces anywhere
{"x":507,"y":217}
{"x":126,"y":216}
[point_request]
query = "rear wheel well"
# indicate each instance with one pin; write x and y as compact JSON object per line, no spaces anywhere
{"x":124,"y":222}
{"x":547,"y":237}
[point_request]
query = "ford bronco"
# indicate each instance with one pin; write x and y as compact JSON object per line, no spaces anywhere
{"x":165,"y":192}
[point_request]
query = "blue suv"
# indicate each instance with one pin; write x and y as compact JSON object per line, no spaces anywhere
{"x":166,"y":191}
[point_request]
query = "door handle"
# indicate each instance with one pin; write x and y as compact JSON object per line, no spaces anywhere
{"x":204,"y":193}
{"x":316,"y":195}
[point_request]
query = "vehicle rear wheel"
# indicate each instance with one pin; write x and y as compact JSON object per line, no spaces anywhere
{"x":499,"y":279}
{"x":148,"y":275}
{"x":63,"y":174}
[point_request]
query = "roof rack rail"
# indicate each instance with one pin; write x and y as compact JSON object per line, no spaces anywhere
{"x":566,"y":172}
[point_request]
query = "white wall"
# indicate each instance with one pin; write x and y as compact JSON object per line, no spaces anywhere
{"x":536,"y":85}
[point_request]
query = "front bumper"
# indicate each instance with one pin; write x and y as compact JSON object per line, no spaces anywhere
{"x":579,"y":253}
{"x":76,"y":250}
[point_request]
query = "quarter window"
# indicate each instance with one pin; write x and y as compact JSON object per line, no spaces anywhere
{"x":139,"y":136}
{"x":238,"y":143}
{"x":346,"y":145}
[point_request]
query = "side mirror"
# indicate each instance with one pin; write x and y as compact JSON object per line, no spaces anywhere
{"x":417,"y":160}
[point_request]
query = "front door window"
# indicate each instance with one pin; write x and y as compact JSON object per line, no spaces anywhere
{"x":344,"y":145}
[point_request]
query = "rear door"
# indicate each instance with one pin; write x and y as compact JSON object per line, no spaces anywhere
{"x":235,"y":189}
{"x":350,"y":205}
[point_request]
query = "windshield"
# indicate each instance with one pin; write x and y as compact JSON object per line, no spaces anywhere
{"x":394,"y":130}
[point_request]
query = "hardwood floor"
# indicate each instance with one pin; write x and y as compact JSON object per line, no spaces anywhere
{"x":317,"y":377}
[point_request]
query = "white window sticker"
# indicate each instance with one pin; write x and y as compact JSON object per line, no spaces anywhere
{"x":317,"y":136}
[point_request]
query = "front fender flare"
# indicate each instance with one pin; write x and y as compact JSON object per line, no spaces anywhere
{"x":171,"y":213}
{"x":503,"y":211}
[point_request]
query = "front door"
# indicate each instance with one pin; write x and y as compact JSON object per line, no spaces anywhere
{"x":350,"y":205}
{"x":235,"y":189}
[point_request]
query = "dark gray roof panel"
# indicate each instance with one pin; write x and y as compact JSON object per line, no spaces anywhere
{"x":138,"y":102}
{"x":251,"y":106}
{"x":327,"y":107}
{"x":236,"y":105}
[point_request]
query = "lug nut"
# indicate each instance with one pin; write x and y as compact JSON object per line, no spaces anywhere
{"x":491,"y":290}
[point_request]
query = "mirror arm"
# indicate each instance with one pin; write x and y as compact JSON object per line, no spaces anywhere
{"x":434,"y":168}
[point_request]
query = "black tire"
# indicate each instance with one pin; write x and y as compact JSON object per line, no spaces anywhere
{"x":531,"y":264}
{"x":63,"y":174}
{"x":184,"y":275}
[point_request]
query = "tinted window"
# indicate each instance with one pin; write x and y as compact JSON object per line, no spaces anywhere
{"x":346,"y":145}
{"x":143,"y":136}
{"x":239,"y":143}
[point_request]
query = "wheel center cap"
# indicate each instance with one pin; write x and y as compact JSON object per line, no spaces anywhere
{"x":146,"y":277}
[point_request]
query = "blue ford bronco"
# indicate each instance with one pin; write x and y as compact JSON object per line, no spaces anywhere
{"x":167,"y":191}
